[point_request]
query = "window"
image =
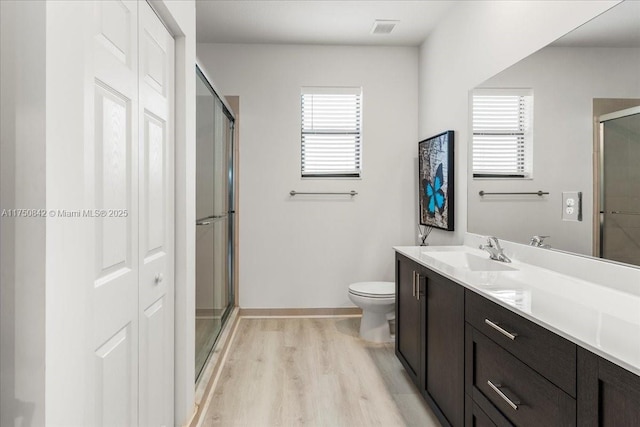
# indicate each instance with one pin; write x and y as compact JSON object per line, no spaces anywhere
{"x":502,"y":133}
{"x":331,"y":132}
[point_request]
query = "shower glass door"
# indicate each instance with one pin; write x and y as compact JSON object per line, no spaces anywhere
{"x":214,"y":224}
{"x":620,"y":191}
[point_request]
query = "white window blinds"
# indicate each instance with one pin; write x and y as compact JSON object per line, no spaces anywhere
{"x":502,"y":133}
{"x":331,"y":132}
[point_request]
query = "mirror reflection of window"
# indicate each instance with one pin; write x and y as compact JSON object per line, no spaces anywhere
{"x":502,"y":133}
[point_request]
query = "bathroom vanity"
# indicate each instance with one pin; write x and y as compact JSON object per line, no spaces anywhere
{"x":496,"y":344}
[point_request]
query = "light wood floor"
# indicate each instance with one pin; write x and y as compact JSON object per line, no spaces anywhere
{"x":313,"y":372}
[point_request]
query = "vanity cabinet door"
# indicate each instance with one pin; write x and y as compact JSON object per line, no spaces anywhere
{"x":408,"y":318}
{"x":608,"y":395}
{"x":445,"y":346}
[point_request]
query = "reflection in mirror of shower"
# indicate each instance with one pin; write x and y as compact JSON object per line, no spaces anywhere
{"x":620,"y":228}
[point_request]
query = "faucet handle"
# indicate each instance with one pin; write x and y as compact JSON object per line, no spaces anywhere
{"x":493,"y":242}
{"x":538,"y":240}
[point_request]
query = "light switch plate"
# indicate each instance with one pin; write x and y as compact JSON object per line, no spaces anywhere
{"x":572,"y":205}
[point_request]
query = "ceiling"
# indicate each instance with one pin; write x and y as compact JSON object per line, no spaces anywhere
{"x":316,"y":22}
{"x":617,"y":27}
{"x":340,"y":22}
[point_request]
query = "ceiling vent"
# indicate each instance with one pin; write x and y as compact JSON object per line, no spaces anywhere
{"x":381,"y":26}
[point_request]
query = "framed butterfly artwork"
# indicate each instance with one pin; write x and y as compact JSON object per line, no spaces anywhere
{"x":435,"y":164}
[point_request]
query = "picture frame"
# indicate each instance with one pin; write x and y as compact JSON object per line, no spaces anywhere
{"x":436,"y":181}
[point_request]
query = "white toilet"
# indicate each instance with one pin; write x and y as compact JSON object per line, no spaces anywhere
{"x":377,"y":301}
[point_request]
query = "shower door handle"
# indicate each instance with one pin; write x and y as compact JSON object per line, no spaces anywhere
{"x":624,"y":213}
{"x":207,"y":220}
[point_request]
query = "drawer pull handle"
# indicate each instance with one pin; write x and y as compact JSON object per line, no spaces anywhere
{"x":496,"y":387}
{"x":414,"y":284}
{"x":510,"y":335}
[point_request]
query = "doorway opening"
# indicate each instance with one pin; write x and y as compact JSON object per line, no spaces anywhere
{"x":619,"y":186}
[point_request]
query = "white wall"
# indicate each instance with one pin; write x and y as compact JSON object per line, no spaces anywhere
{"x":477,"y":40}
{"x":22,"y":185}
{"x":564,"y":81}
{"x":304,"y":251}
{"x":43,"y":288}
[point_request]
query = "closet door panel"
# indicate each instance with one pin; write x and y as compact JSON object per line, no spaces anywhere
{"x":112,"y":181}
{"x":114,"y":397}
{"x":156,"y":252}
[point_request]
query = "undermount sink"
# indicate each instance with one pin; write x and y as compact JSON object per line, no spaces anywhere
{"x":468,"y":261}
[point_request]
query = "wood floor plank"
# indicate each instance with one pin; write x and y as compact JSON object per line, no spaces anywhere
{"x":312,"y":372}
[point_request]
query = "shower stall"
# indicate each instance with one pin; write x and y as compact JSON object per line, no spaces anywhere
{"x":620,"y":186}
{"x":215,"y":217}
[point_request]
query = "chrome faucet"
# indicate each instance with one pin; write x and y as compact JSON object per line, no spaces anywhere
{"x":538,"y":242}
{"x":494,"y":249}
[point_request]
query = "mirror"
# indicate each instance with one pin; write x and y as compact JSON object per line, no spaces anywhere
{"x":578,"y":79}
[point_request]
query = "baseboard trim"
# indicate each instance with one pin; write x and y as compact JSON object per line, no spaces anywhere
{"x":300,"y":312}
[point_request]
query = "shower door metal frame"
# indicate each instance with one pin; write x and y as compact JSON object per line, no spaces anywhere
{"x":601,"y":213}
{"x":226,"y":109}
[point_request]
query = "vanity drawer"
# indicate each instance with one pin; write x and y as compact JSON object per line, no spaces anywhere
{"x":522,"y":395}
{"x":551,"y":355}
{"x":475,"y":415}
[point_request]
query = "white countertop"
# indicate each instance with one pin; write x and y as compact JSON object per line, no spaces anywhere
{"x":604,"y":320}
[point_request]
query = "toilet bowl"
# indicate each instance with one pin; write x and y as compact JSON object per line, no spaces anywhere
{"x":377,"y":300}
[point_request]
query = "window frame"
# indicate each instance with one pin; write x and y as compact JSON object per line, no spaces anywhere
{"x":356,"y":172}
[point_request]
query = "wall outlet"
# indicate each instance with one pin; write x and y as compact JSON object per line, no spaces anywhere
{"x":572,"y":205}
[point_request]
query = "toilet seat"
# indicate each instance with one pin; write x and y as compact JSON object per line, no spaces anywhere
{"x":373,"y":289}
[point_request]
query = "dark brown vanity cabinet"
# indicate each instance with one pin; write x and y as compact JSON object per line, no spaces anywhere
{"x":479,"y":364}
{"x":409,"y":318}
{"x":476,"y":417}
{"x":608,"y":395}
{"x":499,"y":380}
{"x":430,"y":337}
{"x":445,"y":346}
{"x":516,"y":370}
{"x":518,"y":373}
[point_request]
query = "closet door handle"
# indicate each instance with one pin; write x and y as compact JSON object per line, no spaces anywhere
{"x":511,"y":402}
{"x":510,"y":335}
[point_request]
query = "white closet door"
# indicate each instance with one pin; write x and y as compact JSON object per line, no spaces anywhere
{"x":156,"y":248}
{"x":112,"y":180}
{"x":129,"y":173}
